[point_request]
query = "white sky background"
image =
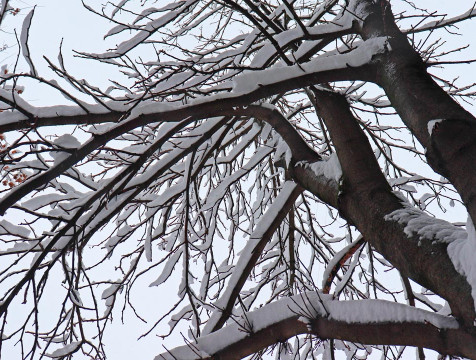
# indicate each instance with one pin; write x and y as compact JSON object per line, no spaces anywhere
{"x":67,"y":19}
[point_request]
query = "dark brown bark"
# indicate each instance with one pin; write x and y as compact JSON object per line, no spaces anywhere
{"x":365,"y":187}
{"x":418,"y":99}
{"x":446,"y":341}
{"x":454,"y":342}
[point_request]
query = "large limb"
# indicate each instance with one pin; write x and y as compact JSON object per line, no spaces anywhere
{"x":418,"y":99}
{"x":243,"y":90}
{"x":319,"y":315}
{"x":364,"y":187}
{"x":246,"y":89}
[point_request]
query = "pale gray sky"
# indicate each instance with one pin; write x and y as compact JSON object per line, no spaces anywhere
{"x":59,"y":19}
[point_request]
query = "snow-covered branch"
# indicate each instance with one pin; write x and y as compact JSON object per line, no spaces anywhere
{"x":362,"y":321}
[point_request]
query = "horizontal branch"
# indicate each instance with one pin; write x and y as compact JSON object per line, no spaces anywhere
{"x":361,"y":321}
{"x":245,"y":89}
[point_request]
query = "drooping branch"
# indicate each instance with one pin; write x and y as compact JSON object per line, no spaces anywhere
{"x":124,"y":197}
{"x":360,"y":321}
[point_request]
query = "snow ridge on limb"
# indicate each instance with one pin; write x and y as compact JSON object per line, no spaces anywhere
{"x":318,"y":314}
{"x":263,"y":232}
{"x":461,"y":244}
{"x":24,"y":41}
{"x":243,"y":89}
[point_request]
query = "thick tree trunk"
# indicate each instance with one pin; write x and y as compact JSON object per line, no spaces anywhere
{"x":365,"y":187}
{"x":418,"y":99}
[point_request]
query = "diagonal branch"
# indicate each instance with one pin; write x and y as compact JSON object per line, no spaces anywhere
{"x":338,"y":261}
{"x":263,"y":232}
{"x":420,"y":102}
{"x":424,"y":259}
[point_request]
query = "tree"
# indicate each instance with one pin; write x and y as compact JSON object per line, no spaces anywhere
{"x":229,"y":163}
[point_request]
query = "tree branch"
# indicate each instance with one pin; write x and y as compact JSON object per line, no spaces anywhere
{"x":364,"y":186}
{"x":418,"y":100}
{"x":361,"y":321}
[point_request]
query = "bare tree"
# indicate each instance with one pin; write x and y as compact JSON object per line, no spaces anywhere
{"x":244,"y":158}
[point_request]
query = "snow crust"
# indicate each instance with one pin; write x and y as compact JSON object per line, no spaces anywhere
{"x":145,"y":32}
{"x":419,"y":223}
{"x":329,"y":167}
{"x":431,"y":125}
{"x":66,"y":350}
{"x":462,"y":253}
{"x":461,"y":244}
{"x":7,"y":228}
{"x":360,"y":56}
{"x":282,"y":152}
{"x":55,"y":111}
{"x":67,"y":141}
{"x":24,"y":40}
{"x":307,"y":306}
{"x":241,"y":84}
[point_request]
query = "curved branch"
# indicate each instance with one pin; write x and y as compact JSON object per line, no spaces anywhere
{"x":338,"y":261}
{"x":360,"y":321}
{"x":418,"y":257}
{"x":300,"y":149}
{"x":244,"y":90}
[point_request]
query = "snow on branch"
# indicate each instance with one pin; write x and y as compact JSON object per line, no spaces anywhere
{"x":461,"y":244}
{"x":360,"y":56}
{"x":145,"y":32}
{"x":244,"y":88}
{"x":436,"y":24}
{"x":328,"y":167}
{"x":263,"y":232}
{"x":313,"y":313}
{"x":24,"y":41}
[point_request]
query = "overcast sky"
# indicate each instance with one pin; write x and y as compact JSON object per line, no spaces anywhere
{"x":55,"y":20}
